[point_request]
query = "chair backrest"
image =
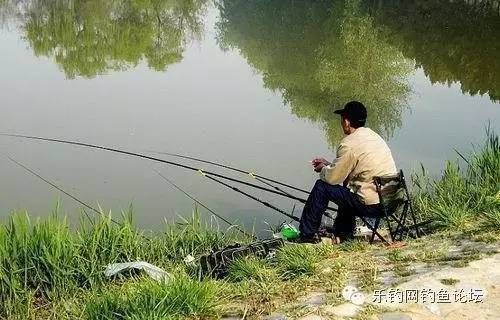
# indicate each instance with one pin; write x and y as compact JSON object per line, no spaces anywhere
{"x":392,"y":192}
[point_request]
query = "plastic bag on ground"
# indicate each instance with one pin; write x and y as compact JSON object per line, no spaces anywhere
{"x":153,"y":271}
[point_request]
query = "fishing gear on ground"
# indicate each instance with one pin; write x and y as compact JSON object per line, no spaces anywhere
{"x":288,"y":232}
{"x":216,"y":264}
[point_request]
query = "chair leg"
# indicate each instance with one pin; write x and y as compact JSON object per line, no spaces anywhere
{"x":400,"y":223}
{"x":397,"y":235}
{"x":391,"y":232}
{"x":417,"y":227}
{"x":405,"y":215}
{"x":410,"y":207}
{"x":374,"y":230}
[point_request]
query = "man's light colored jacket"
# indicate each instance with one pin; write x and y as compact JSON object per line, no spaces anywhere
{"x":361,"y":156}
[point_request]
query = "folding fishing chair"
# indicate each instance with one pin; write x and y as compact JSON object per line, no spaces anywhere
{"x":397,"y":211}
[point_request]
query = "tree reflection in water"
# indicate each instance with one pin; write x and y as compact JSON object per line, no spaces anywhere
{"x":318,"y":55}
{"x":91,"y":37}
{"x":453,"y":41}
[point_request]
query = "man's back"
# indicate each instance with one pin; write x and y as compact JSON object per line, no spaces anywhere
{"x":349,"y":180}
{"x":361,"y":156}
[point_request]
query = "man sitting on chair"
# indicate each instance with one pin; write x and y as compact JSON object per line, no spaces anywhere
{"x":349,"y":180}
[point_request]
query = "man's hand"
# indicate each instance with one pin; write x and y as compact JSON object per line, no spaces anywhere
{"x":319,"y":163}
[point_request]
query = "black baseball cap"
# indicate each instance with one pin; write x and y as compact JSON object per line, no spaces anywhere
{"x":354,"y":111}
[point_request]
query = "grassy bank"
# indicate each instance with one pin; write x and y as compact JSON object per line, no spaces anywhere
{"x":464,"y":198}
{"x":44,"y":261}
{"x":49,"y":270}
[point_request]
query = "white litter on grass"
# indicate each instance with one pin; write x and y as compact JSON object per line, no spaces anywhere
{"x":190,"y":261}
{"x":153,"y":271}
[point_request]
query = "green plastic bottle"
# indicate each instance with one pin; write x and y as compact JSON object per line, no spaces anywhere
{"x":289,"y":232}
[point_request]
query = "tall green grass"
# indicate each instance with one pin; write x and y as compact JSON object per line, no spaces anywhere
{"x":147,"y":299}
{"x":301,"y":260}
{"x":44,"y":260}
{"x":252,"y":269}
{"x":464,"y":198}
{"x":193,"y":236}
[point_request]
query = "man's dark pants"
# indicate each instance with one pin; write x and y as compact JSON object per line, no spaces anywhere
{"x":349,"y":206}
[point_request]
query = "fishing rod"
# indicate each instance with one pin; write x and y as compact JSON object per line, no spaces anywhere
{"x":207,"y":174}
{"x":204,"y":206}
{"x":134,"y":154}
{"x":262,"y":179}
{"x":55,"y":186}
{"x":85,"y":204}
{"x":251,"y":174}
{"x":267,"y":204}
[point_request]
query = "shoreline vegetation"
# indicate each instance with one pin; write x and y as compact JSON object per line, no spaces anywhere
{"x":49,"y":270}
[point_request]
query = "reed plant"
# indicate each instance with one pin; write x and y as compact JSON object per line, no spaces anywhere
{"x":101,"y":241}
{"x":463,"y":198}
{"x":194,"y":236}
{"x":35,"y":258}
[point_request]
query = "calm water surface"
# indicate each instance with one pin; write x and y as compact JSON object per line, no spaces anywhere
{"x":246,"y":83}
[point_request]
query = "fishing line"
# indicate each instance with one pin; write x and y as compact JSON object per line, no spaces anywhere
{"x":55,"y":186}
{"x":204,"y":206}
